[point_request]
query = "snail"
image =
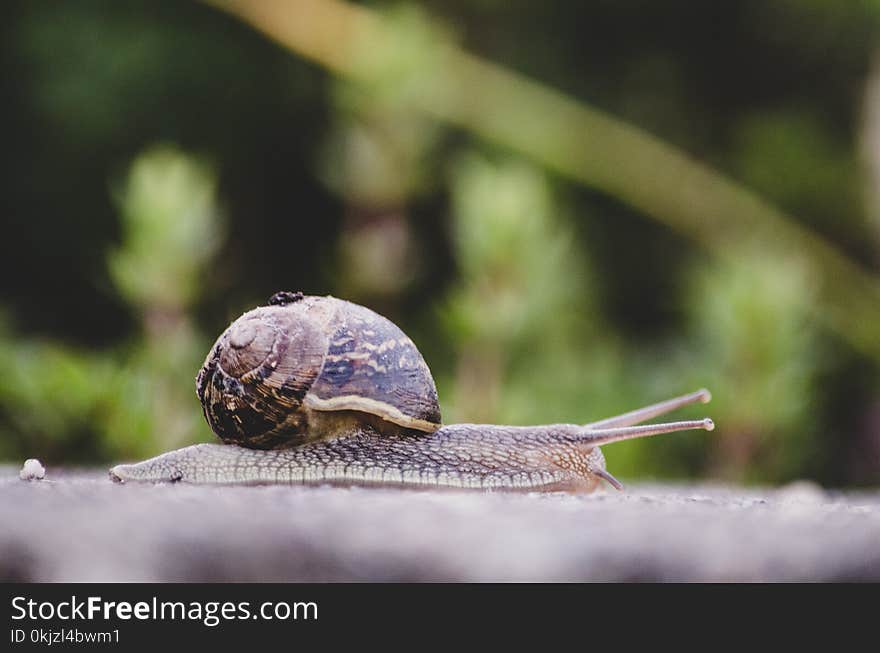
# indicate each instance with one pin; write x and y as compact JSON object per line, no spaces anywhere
{"x":320,"y":390}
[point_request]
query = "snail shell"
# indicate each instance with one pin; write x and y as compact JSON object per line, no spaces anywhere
{"x":294,"y":371}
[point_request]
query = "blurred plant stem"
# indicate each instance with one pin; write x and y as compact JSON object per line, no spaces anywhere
{"x":523,"y":311}
{"x":171,"y":229}
{"x":750,"y":332}
{"x":376,"y":157}
{"x":571,"y":138}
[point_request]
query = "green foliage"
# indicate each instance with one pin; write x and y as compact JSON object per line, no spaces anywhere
{"x":751,"y":333}
{"x":499,"y":269}
{"x":794,"y":159}
{"x":519,"y":314}
{"x":68,"y":404}
{"x":516,"y":257}
{"x":170,"y":229}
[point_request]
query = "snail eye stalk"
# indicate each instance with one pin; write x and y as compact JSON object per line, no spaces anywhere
{"x":597,"y":437}
{"x":640,"y":415}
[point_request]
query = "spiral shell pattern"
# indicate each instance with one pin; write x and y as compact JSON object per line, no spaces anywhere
{"x":277,"y":365}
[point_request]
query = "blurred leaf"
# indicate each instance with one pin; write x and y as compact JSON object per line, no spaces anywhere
{"x":170,"y":228}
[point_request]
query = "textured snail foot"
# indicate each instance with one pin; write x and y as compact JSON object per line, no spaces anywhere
{"x":474,"y":457}
{"x":361,"y":460}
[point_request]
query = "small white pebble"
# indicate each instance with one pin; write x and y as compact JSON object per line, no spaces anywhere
{"x":801,"y":493}
{"x":32,"y":470}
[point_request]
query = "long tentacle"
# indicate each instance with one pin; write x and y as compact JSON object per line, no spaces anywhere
{"x":639,"y":415}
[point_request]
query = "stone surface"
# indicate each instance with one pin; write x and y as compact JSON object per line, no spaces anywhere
{"x":78,"y":526}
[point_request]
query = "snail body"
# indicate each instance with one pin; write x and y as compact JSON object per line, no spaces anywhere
{"x":320,"y":390}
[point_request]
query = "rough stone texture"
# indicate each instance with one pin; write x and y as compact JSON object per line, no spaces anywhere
{"x":81,"y":527}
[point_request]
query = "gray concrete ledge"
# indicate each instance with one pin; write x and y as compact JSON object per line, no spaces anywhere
{"x":81,"y":527}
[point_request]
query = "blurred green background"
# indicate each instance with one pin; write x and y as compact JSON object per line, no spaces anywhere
{"x":169,"y":167}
